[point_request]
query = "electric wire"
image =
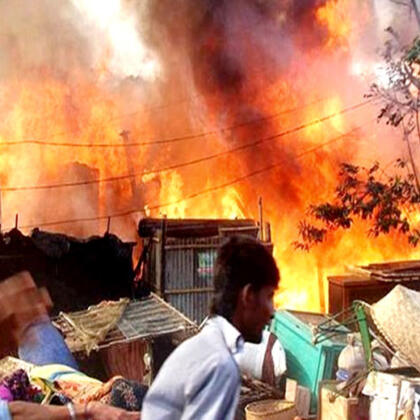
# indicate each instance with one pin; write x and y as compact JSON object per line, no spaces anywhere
{"x":41,"y":142}
{"x":188,"y":163}
{"x":197,"y":194}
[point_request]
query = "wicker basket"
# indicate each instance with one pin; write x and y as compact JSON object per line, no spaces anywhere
{"x":270,"y":410}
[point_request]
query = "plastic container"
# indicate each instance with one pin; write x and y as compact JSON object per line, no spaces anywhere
{"x":270,"y":410}
{"x":352,"y":359}
{"x":307,"y":363}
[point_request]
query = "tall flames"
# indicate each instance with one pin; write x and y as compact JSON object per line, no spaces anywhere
{"x":238,"y":75}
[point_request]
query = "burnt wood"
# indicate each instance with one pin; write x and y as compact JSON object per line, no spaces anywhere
{"x":191,"y":227}
{"x":76,"y":272}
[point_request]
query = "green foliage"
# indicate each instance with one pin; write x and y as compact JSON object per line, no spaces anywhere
{"x":362,"y":194}
{"x":385,"y":202}
{"x":413,"y":52}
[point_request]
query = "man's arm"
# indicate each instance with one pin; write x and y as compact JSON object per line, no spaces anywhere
{"x":20,"y":410}
{"x":216,"y":398}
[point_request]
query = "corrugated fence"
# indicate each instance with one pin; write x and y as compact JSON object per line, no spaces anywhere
{"x":189,"y":266}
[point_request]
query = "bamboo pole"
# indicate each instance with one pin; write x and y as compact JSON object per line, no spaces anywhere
{"x":260,"y":207}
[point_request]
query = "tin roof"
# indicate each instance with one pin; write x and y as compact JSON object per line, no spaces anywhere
{"x":144,"y":319}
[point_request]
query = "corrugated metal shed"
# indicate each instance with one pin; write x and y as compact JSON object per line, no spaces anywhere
{"x":189,"y":274}
{"x":180,"y":256}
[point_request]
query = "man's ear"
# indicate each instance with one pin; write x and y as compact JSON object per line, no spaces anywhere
{"x":247,"y":296}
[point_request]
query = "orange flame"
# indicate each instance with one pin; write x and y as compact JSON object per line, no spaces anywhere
{"x":334,"y":16}
{"x":48,"y":108}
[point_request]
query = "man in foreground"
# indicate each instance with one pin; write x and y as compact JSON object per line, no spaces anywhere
{"x":201,"y":378}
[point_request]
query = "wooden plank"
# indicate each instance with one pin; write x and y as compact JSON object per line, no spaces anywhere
{"x":394,"y":265}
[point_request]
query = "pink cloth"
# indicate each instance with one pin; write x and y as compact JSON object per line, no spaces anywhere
{"x":5,"y":394}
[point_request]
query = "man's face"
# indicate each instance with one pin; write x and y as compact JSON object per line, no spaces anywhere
{"x":258,"y":313}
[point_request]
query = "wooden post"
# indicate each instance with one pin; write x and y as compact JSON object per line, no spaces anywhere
{"x":158,"y":262}
{"x":108,"y":226}
{"x":260,"y":207}
{"x":321,"y":289}
{"x":163,"y":259}
{"x":16,"y":220}
{"x":267,"y":232}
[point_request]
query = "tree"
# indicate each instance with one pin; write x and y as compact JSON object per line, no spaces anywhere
{"x":362,"y":192}
{"x":400,"y":92}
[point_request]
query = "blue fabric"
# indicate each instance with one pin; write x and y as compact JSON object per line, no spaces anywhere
{"x":59,"y":374}
{"x":200,"y":379}
{"x":343,"y":375}
{"x":4,"y":411}
{"x":43,"y":345}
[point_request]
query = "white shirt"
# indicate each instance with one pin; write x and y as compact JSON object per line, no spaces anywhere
{"x":252,"y":358}
{"x":200,"y":379}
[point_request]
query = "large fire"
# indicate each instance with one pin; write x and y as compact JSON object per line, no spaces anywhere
{"x":173,"y":125}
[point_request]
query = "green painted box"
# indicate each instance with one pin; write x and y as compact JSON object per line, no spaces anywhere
{"x":307,"y":363}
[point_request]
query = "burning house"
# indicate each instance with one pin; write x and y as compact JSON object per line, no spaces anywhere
{"x":181,"y":115}
{"x":130,"y":111}
{"x":179,"y":257}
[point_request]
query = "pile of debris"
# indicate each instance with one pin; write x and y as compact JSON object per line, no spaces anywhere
{"x":398,"y":271}
{"x":76,"y":272}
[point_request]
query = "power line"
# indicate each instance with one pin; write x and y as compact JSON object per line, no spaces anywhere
{"x":191,"y":162}
{"x":197,"y":194}
{"x":158,"y":141}
{"x":111,"y":119}
{"x":253,"y":173}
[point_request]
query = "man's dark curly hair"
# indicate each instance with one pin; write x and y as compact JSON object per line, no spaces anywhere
{"x":241,"y":260}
